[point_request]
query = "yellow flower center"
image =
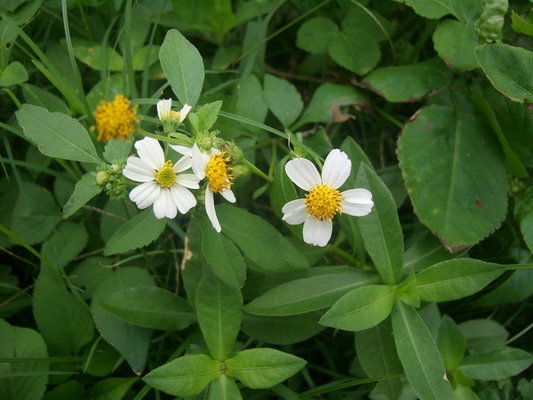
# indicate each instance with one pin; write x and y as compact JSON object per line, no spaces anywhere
{"x":166,"y":176}
{"x":115,"y":119}
{"x":323,"y":202}
{"x":218,"y":172}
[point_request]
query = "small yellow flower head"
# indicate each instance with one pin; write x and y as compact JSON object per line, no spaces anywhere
{"x":115,"y":119}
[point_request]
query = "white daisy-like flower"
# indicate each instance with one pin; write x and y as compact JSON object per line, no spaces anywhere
{"x":323,"y":199}
{"x":165,"y":112}
{"x":161,"y":182}
{"x":214,"y":167}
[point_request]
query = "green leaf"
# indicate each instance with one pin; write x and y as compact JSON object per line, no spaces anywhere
{"x":224,"y":388}
{"x":138,"y":232}
{"x":517,"y":288}
{"x":117,"y":150}
{"x":183,"y":67}
{"x":41,"y":97}
{"x":521,"y":25}
{"x":132,"y":342}
{"x":218,"y":309}
{"x":354,"y":54}
{"x":184,"y":376}
{"x":19,"y":344}
{"x":408,"y":82}
{"x":508,"y":68}
{"x":361,"y":308}
{"x":419,"y":354}
{"x":424,"y":252}
{"x":205,"y":116}
{"x":219,"y":253}
{"x":65,"y":243}
{"x":307,"y":294}
{"x":282,"y":190}
{"x":282,"y":99}
{"x":97,"y":56}
{"x":326,"y":103}
{"x":451,"y":343}
{"x":263,"y":368}
{"x":63,"y":319}
{"x":111,"y":388}
{"x":483,"y":334}
{"x":56,"y":134}
{"x":13,"y":74}
{"x":249,"y":232}
{"x":150,"y":307}
{"x":315,"y":35}
{"x":380,"y":230}
{"x":455,"y":279}
{"x":85,"y":189}
{"x":69,"y":390}
{"x":464,"y":185}
{"x":490,"y":23}
{"x":496,"y":364}
{"x":463,"y":10}
{"x":456,"y":43}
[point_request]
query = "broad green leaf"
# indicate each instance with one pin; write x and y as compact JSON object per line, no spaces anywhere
{"x":381,"y":231}
{"x":456,"y":43}
{"x":184,"y":376}
{"x":326,"y":103}
{"x":315,"y":35}
{"x":220,"y":254}
{"x":408,"y":82}
{"x":41,"y":97}
{"x":57,"y":135}
{"x":263,"y":368}
{"x":85,"y":189}
{"x":376,"y":352}
{"x":69,"y":390}
{"x":451,"y":343}
{"x":282,"y":99}
{"x":249,"y":232}
{"x":483,"y":334}
{"x":219,"y":313}
{"x":463,"y":10}
{"x":356,"y":55}
{"x":65,"y":243}
{"x":490,"y":23}
{"x":150,"y":307}
{"x":139,"y":231}
{"x":97,"y":56}
{"x":307,"y":294}
{"x":465,"y":183}
{"x":111,"y":388}
{"x":282,"y":330}
{"x":496,"y":364}
{"x":455,"y":279}
{"x":517,"y":288}
{"x":361,"y":308}
{"x":132,"y":342}
{"x":29,"y":378}
{"x":145,"y":57}
{"x":508,"y":68}
{"x":522,"y":25}
{"x":117,"y":150}
{"x":205,"y":116}
{"x":183,"y":67}
{"x":13,"y":74}
{"x":419,"y":354}
{"x":63,"y":319}
{"x":224,"y":388}
{"x":250,"y":101}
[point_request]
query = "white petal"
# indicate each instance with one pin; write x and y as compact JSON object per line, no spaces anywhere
{"x":150,"y":152}
{"x":145,"y":194}
{"x":228,"y":195}
{"x":317,"y":232}
{"x":188,"y":180}
{"x":163,"y":108}
{"x":294,"y":212}
{"x":165,"y":206}
{"x":137,"y":170}
{"x":337,"y":168}
{"x":210,"y":210}
{"x":199,"y":162}
{"x":303,"y":173}
{"x":182,"y":164}
{"x":183,"y":198}
{"x":356,"y":202}
{"x":184,"y":111}
{"x":183,"y":150}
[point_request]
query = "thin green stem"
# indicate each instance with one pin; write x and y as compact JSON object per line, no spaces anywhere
{"x":256,"y":170}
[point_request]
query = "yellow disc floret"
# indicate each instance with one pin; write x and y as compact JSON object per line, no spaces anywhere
{"x":115,"y":119}
{"x":166,"y":176}
{"x":323,"y":202}
{"x":218,"y":172}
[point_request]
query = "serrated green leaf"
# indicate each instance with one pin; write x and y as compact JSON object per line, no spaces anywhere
{"x":184,"y":376}
{"x":183,"y":67}
{"x":150,"y":307}
{"x":496,"y":364}
{"x":465,"y":183}
{"x":455,"y":279}
{"x":456,"y":43}
{"x":139,"y":231}
{"x":85,"y":189}
{"x":263,"y":368}
{"x":205,"y":116}
{"x":117,"y":150}
{"x":57,"y":135}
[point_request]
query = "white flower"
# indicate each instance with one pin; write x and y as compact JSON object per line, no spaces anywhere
{"x":323,"y":200}
{"x":165,"y":112}
{"x":161,"y":183}
{"x":214,"y":168}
